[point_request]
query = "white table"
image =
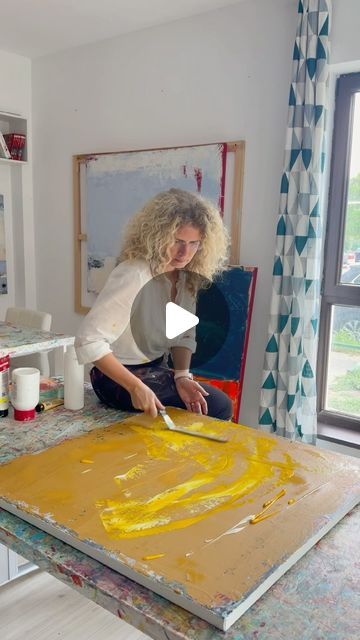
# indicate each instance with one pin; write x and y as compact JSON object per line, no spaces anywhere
{"x":21,"y":341}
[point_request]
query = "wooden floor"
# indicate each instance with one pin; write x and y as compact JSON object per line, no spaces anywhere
{"x":39,"y":607}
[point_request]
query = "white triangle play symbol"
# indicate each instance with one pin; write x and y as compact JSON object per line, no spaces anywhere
{"x":178,"y":320}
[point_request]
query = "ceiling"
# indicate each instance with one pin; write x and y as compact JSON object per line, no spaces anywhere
{"x":36,"y":28}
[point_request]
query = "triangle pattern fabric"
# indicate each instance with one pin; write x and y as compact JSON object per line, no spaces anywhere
{"x":288,"y":394}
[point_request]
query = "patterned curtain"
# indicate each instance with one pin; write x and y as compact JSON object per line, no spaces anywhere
{"x":288,"y":393}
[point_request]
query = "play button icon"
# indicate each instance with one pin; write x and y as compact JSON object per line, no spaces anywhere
{"x":178,"y":320}
{"x":157,"y":323}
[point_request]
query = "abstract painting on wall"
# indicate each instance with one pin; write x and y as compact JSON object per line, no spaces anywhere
{"x":111,"y":187}
{"x":3,"y":269}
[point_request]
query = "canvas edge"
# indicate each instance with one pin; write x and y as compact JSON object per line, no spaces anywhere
{"x":249,"y":600}
{"x":222,"y":622}
{"x":162,"y":590}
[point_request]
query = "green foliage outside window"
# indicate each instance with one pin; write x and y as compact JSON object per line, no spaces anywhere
{"x":352,"y":228}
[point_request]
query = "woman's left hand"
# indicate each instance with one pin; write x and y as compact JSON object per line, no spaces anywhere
{"x":192,"y":394}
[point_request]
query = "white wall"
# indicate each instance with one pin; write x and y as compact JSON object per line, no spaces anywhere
{"x":345,"y":48}
{"x":204,"y":79}
{"x":220,"y":76}
{"x":16,"y":184}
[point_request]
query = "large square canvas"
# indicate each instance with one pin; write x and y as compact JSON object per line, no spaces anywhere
{"x":209,"y":525}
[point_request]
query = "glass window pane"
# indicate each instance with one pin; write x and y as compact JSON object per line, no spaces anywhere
{"x":343,"y":376}
{"x":350,"y":273}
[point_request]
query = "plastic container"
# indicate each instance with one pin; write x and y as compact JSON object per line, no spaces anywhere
{"x":25,"y":391}
{"x":4,"y":386}
{"x":73,"y":381}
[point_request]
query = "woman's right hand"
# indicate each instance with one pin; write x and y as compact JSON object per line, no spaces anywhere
{"x":143,"y":398}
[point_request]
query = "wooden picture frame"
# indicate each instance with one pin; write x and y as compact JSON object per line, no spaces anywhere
{"x":230,"y":198}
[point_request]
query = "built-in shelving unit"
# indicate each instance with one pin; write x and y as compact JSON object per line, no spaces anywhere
{"x":11,"y":161}
{"x":19,"y":194}
{"x":14,"y":123}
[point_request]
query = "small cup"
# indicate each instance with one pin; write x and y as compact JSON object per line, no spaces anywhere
{"x":25,"y":392}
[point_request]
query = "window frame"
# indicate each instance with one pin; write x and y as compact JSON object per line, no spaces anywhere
{"x":333,"y":292}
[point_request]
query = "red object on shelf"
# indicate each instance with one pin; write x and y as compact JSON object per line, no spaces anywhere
{"x":15,"y":143}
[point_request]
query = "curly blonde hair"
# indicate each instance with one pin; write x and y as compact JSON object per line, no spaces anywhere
{"x":152,"y":230}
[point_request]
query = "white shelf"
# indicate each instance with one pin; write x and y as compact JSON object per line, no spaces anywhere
{"x":10,"y":161}
{"x":14,"y":123}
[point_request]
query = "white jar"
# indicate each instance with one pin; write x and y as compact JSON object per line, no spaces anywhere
{"x":25,"y":392}
{"x":73,"y":381}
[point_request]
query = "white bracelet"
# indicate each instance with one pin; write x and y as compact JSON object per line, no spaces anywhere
{"x":183,"y":373}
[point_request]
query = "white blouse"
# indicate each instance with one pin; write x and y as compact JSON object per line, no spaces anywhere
{"x":106,"y":328}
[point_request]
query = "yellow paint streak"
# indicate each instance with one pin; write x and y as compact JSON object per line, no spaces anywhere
{"x":154,"y":556}
{"x":268,"y":503}
{"x":212,"y":488}
{"x":260,"y":518}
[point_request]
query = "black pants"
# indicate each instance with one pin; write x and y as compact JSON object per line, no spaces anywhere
{"x":160,"y":379}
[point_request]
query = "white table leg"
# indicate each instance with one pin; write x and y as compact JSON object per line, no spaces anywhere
{"x":59,"y":361}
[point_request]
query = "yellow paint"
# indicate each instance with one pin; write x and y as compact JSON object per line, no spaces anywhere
{"x":279,"y":495}
{"x":269,"y":503}
{"x":184,"y":503}
{"x":261,"y":517}
{"x":308,"y":493}
{"x":177,"y":481}
{"x":258,"y":517}
{"x":154,"y":556}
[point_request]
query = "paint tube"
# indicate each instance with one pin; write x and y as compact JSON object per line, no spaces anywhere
{"x":4,"y":386}
{"x":49,"y":404}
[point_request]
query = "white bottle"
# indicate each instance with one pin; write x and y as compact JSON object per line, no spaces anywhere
{"x":25,"y":392}
{"x":73,"y":381}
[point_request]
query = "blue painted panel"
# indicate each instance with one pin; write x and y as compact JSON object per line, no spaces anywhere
{"x":223,"y":310}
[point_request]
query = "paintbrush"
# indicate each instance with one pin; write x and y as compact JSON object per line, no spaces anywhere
{"x":172,"y":426}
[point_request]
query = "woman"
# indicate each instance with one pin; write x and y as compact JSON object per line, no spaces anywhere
{"x":170,"y":244}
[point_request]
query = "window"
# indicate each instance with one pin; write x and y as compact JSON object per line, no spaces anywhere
{"x":339,"y":336}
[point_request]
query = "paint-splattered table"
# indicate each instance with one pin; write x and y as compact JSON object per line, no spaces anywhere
{"x":318,"y":598}
{"x":21,"y":341}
